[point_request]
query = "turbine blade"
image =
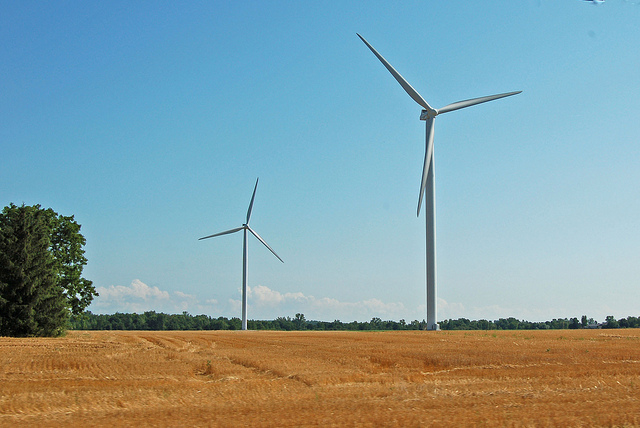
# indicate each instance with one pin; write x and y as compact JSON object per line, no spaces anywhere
{"x":467,"y":103}
{"x":405,"y":85}
{"x":222,"y":233}
{"x":252,"y":198}
{"x":265,"y":244}
{"x":428,"y":157}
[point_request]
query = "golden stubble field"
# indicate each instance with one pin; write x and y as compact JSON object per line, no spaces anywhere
{"x":496,"y":378}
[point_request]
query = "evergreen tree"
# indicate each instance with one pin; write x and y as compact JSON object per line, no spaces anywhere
{"x":31,"y":302}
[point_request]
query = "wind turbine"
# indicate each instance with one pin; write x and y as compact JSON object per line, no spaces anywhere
{"x":427,"y":185}
{"x":245,"y":253}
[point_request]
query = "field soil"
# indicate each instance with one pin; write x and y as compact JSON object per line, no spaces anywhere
{"x":291,"y":379}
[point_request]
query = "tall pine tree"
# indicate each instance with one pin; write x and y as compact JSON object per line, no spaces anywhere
{"x":33,"y":299}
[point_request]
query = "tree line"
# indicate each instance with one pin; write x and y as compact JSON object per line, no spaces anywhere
{"x":158,"y":321}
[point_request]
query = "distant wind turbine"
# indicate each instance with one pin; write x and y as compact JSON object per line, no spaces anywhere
{"x":428,"y":176}
{"x":245,"y":253}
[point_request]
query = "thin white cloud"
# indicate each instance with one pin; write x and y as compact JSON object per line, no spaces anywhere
{"x":264,"y":296}
{"x":182,"y":295}
{"x":265,"y":303}
{"x":449,"y":310}
{"x":137,"y":290}
{"x":494,"y":312}
{"x":139,"y":297}
{"x":374,"y":307}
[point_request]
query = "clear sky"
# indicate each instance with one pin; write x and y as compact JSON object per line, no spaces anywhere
{"x":150,"y":122}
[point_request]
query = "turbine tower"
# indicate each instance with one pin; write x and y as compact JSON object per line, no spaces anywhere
{"x":427,"y":185}
{"x":245,"y":253}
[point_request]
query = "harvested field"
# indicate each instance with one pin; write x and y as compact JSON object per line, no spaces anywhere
{"x":495,"y":378}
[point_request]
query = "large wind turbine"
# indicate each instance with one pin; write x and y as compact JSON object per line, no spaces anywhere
{"x":245,"y":253}
{"x":427,"y":185}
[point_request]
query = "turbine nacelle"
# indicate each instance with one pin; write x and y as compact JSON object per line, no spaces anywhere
{"x":428,"y":114}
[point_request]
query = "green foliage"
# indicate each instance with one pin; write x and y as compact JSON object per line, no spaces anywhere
{"x":41,"y":262}
{"x":151,"y":320}
{"x":67,"y":248}
{"x":159,"y":321}
{"x":611,"y":322}
{"x":31,"y":300}
{"x":629,"y":322}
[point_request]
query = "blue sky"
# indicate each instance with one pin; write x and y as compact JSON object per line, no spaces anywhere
{"x":150,"y":121}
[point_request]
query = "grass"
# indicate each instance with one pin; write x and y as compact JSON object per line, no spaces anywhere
{"x":544,"y":378}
